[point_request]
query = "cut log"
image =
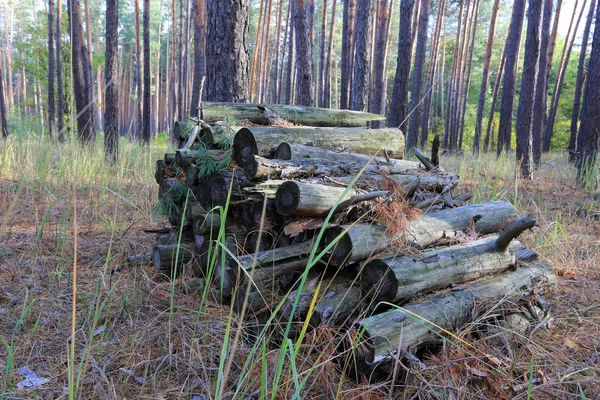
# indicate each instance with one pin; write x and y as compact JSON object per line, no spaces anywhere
{"x":398,"y":166}
{"x":310,"y":200}
{"x":168,"y":256}
{"x":383,"y":335}
{"x":432,"y":182}
{"x":169,"y":158}
{"x":281,"y":152}
{"x":394,"y":279}
{"x":185,"y":157}
{"x":205,"y":224}
{"x":360,"y":241}
{"x":310,"y":116}
{"x":259,"y":168}
{"x":359,"y":140}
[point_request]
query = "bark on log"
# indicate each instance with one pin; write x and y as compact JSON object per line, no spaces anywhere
{"x":402,"y":166}
{"x":204,"y":224}
{"x":358,"y":140}
{"x":310,"y":116}
{"x":167,"y":256}
{"x":310,"y":200}
{"x":259,"y":168}
{"x":383,"y":335}
{"x":432,"y":182}
{"x":394,"y":279}
{"x":361,"y":241}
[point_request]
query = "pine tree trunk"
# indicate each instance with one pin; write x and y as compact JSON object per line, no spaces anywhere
{"x":303,"y":16}
{"x":265,"y":61}
{"x":111,"y":113}
{"x":321,"y":76}
{"x":3,"y":123}
{"x":137,"y":129}
{"x":362,"y":58}
{"x":199,"y":54}
{"x":256,"y":52}
{"x":327,"y":76}
{"x":468,"y":82}
{"x":447,"y":142}
{"x":227,"y":42}
{"x":454,"y":107}
{"x":589,"y":128}
{"x":417,"y":83}
{"x":291,"y":65}
{"x":572,"y":148}
{"x":379,"y":81}
{"x":347,"y":51}
{"x":51,"y":122}
{"x":524,"y":149}
{"x":399,"y":103}
{"x":495,"y":91}
{"x":513,"y":42}
{"x":59,"y":72}
{"x":539,"y":107}
{"x":146,"y":106}
{"x":558,"y":85}
{"x":180,"y":78}
{"x":278,"y":67}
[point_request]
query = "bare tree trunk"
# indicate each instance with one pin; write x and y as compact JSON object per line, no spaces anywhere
{"x":264,"y":64}
{"x":174,"y":66}
{"x":560,"y":77}
{"x":451,"y":80}
{"x":257,"y":48}
{"x":59,"y":71}
{"x":321,"y":76}
{"x":278,"y":67}
{"x":524,"y":149}
{"x":156,"y":100}
{"x":541,"y":95}
{"x":138,"y":74}
{"x":484,"y":77}
{"x":468,"y":83}
{"x":199,"y":54}
{"x":381,"y":45}
{"x":227,"y":68}
{"x":589,"y":132}
{"x":399,"y":103}
{"x":286,"y":38}
{"x":303,"y":17}
{"x":146,"y":115}
{"x":495,"y":91}
{"x":111,"y":113}
{"x":291,"y":65}
{"x":347,"y":51}
{"x":180,"y":62}
{"x":513,"y":42}
{"x":572,"y":148}
{"x":51,"y":122}
{"x":417,"y":83}
{"x":3,"y":123}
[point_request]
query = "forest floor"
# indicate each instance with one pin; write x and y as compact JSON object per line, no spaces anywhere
{"x":136,"y":337}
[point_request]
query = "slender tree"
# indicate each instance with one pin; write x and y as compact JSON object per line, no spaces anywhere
{"x":447,"y":142}
{"x":60,"y":94}
{"x":399,"y":103}
{"x":377,"y":105}
{"x":589,"y":128}
{"x":3,"y":123}
{"x":321,"y":76}
{"x":467,"y":84}
{"x":303,"y":17}
{"x":572,"y":148}
{"x":511,"y":51}
{"x":348,"y":17}
{"x":327,"y":77}
{"x":138,"y":73}
{"x":560,"y":77}
{"x":199,"y":54}
{"x":417,"y":83}
{"x":291,"y":54}
{"x":539,"y":106}
{"x":362,"y":57}
{"x":227,"y":50}
{"x":111,"y":110}
{"x":51,"y":122}
{"x":484,"y":77}
{"x":146,"y":106}
{"x":524,"y":149}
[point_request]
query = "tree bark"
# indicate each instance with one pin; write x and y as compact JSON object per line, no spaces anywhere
{"x":146,"y":107}
{"x":3,"y":122}
{"x":327,"y":78}
{"x":111,"y":113}
{"x":589,"y":128}
{"x":572,"y":148}
{"x":227,"y":42}
{"x":484,"y":77}
{"x":513,"y":42}
{"x":349,"y":17}
{"x":495,"y":91}
{"x":304,"y":11}
{"x":137,"y":129}
{"x":541,"y":95}
{"x":59,"y":72}
{"x":407,"y":328}
{"x":524,"y":149}
{"x":51,"y":72}
{"x":362,"y":58}
{"x":309,"y":200}
{"x":199,"y":55}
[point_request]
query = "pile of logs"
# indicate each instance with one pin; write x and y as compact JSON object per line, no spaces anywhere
{"x":330,"y":223}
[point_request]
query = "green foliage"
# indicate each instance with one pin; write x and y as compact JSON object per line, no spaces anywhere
{"x":170,"y":205}
{"x":209,"y":162}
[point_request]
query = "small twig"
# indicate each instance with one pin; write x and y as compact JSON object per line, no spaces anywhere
{"x":359,"y":198}
{"x":424,"y":160}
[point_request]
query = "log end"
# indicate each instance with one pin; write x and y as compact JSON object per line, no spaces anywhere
{"x":378,"y":282}
{"x":282,"y":152}
{"x":250,"y":168}
{"x":244,"y":146}
{"x":217,"y":187}
{"x":341,"y":251}
{"x":287,"y":198}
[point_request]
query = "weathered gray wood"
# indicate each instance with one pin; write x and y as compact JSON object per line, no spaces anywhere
{"x":396,"y":278}
{"x":259,"y":168}
{"x":310,"y":200}
{"x":360,"y":241}
{"x":168,"y":256}
{"x":382,"y":336}
{"x":433,"y":182}
{"x":207,"y":223}
{"x":310,"y":116}
{"x":358,"y":140}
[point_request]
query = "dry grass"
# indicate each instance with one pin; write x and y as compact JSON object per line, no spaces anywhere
{"x":176,"y":350}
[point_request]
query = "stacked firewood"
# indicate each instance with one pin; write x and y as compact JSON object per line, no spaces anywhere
{"x":307,"y":216}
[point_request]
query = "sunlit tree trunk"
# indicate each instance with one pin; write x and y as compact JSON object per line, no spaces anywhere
{"x":3,"y":123}
{"x":111,"y":110}
{"x":60,"y":94}
{"x":303,"y":17}
{"x":327,"y":75}
{"x":199,"y":54}
{"x":348,"y":17}
{"x":51,"y":127}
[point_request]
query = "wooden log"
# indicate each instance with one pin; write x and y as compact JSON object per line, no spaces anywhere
{"x":433,"y":182}
{"x":169,"y":158}
{"x":382,"y":336}
{"x":396,"y":165}
{"x":360,"y":241}
{"x":159,"y":171}
{"x":358,"y":140}
{"x":204,"y":224}
{"x":310,"y":200}
{"x":429,"y":166}
{"x":394,"y":279}
{"x":266,"y":189}
{"x":281,"y":152}
{"x":259,"y":168}
{"x":168,"y":256}
{"x":310,"y":116}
